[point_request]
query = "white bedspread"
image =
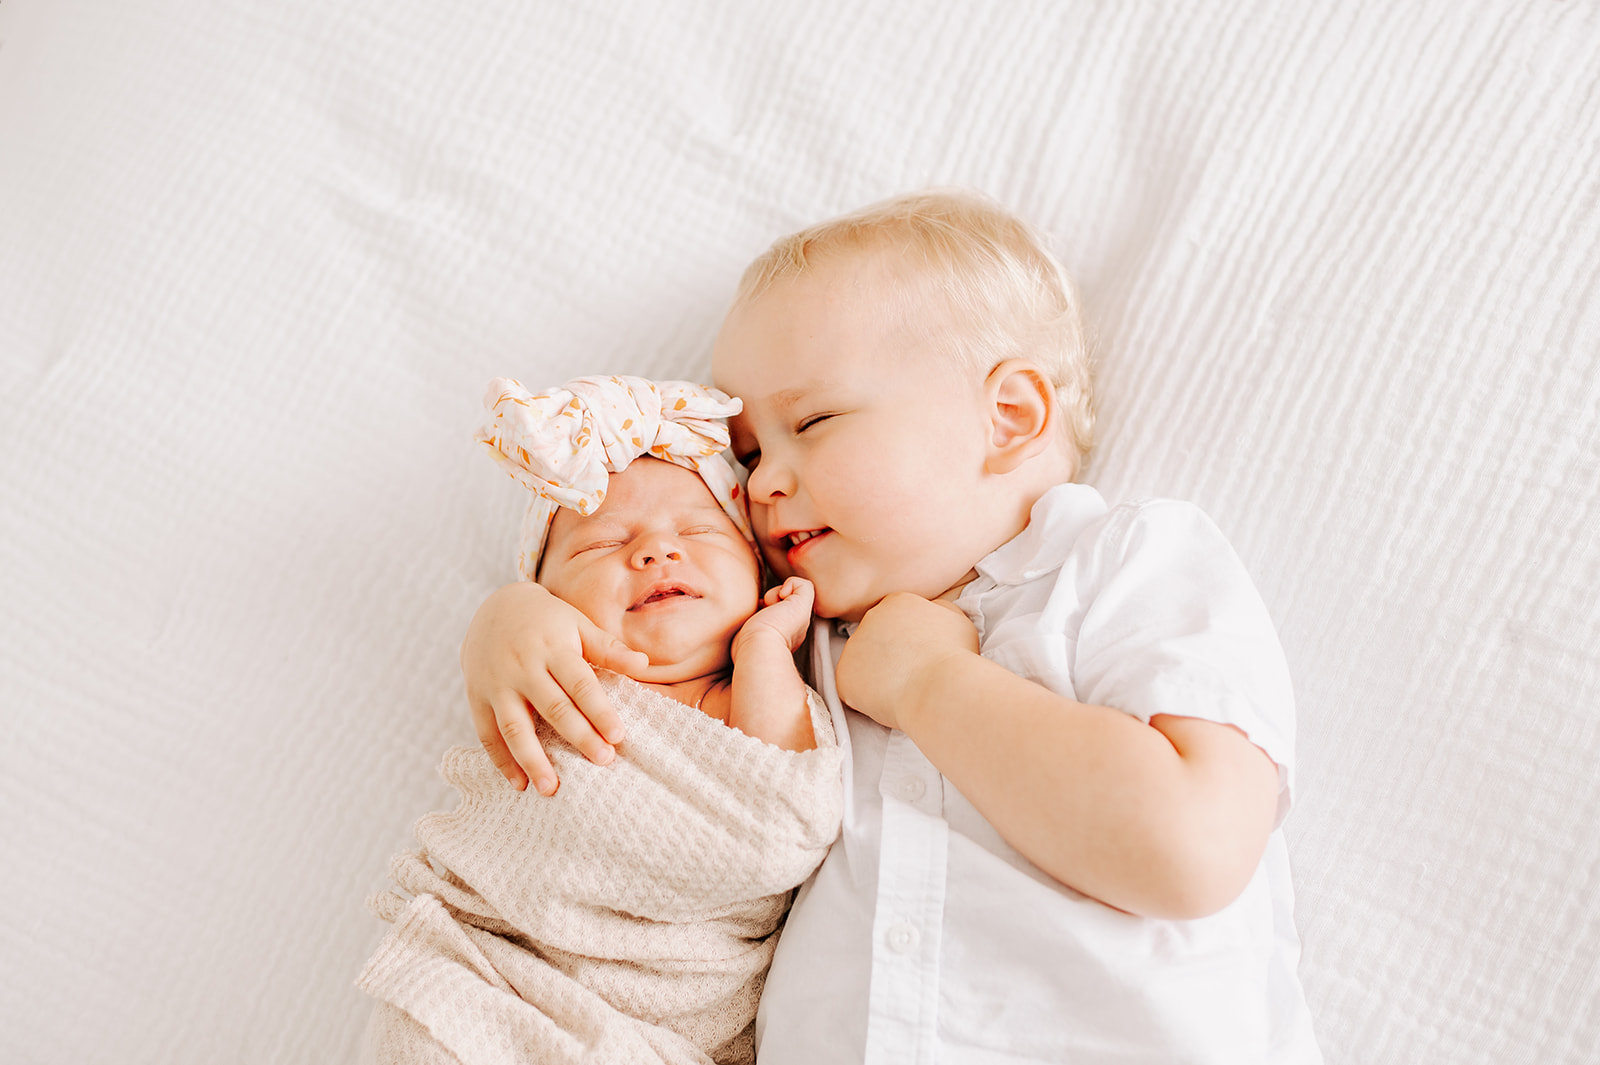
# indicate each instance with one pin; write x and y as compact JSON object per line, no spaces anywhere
{"x":257,"y":260}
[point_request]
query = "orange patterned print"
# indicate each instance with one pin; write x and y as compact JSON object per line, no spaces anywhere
{"x":563,"y":444}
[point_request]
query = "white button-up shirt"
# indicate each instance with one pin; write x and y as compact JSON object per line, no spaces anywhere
{"x":924,"y":937}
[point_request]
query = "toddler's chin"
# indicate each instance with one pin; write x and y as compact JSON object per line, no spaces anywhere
{"x":824,"y":607}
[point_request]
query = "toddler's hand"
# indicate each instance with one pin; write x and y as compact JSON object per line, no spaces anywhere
{"x":785,"y":610}
{"x":526,"y":648}
{"x":896,"y":648}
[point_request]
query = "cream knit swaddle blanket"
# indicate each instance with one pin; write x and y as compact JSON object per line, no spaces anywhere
{"x":629,"y":918}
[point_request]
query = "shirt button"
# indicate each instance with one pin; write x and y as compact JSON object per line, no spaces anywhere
{"x":903,"y":938}
{"x":912,"y":788}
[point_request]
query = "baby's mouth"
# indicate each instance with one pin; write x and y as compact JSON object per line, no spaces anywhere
{"x":662,"y":593}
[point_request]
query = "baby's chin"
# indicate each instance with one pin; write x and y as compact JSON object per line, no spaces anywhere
{"x":681,"y":650}
{"x":676,"y":672}
{"x":673,"y":665}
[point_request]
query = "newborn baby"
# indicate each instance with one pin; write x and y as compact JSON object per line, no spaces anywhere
{"x":629,"y":916}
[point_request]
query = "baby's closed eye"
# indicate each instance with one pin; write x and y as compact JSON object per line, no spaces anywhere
{"x":812,"y":420}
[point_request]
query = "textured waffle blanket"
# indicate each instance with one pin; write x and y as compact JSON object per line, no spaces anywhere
{"x":629,"y":918}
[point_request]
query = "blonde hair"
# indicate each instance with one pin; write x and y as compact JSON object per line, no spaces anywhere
{"x":1005,"y":292}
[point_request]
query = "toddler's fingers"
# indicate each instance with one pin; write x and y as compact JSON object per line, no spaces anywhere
{"x":506,"y":734}
{"x":575,"y":704}
{"x":605,"y":650}
{"x":577,"y":679}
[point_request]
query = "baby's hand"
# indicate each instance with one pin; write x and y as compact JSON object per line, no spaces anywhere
{"x":526,"y":648}
{"x":785,"y":610}
{"x":896,"y":647}
{"x":767,"y":698}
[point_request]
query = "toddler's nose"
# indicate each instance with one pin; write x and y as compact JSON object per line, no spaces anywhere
{"x":769,"y":481}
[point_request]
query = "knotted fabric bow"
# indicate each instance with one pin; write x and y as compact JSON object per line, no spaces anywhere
{"x":564,"y":443}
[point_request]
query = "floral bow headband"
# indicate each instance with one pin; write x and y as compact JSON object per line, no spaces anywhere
{"x":564,"y":443}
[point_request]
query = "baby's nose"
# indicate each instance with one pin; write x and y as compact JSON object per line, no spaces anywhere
{"x":657,"y":551}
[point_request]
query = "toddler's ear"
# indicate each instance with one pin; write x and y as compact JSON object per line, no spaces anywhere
{"x":1022,"y":414}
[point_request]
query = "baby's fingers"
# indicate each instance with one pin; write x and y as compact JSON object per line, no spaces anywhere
{"x":789,"y":588}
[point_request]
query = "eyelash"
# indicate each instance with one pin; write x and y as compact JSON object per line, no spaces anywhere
{"x":749,"y":459}
{"x":696,"y":530}
{"x":807,"y":423}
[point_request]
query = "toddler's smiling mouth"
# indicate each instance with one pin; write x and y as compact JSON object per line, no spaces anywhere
{"x":797,"y":544}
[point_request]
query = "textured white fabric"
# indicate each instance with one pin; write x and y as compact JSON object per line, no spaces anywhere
{"x":926,"y":937}
{"x":257,"y":260}
{"x":629,"y":918}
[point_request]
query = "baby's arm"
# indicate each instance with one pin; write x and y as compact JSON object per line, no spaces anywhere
{"x":767,"y":696}
{"x":528,"y":651}
{"x":1167,"y":819}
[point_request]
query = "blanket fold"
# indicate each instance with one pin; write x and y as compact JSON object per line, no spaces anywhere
{"x":629,"y":918}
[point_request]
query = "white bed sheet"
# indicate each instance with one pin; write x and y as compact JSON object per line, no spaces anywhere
{"x":258,"y":260}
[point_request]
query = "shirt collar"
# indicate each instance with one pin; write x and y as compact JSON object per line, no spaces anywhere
{"x":1054,"y":525}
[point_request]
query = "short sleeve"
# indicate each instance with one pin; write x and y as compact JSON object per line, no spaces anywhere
{"x":1173,"y":625}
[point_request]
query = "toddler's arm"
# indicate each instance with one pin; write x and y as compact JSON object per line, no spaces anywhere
{"x":767,"y":696}
{"x":1167,"y":819}
{"x":528,"y":651}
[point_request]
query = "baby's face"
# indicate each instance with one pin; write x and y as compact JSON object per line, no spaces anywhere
{"x":866,"y":451}
{"x":660,"y":566}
